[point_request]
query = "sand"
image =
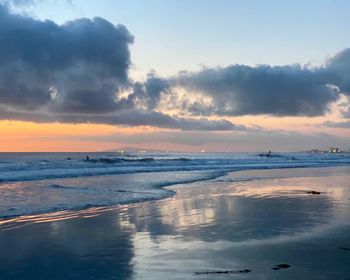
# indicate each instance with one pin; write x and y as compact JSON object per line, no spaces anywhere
{"x":272,"y":224}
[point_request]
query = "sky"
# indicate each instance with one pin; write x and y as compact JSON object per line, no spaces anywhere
{"x":185,"y":75}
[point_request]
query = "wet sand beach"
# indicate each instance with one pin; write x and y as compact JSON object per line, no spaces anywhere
{"x":267,"y":224}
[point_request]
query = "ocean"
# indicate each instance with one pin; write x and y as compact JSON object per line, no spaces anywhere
{"x":34,"y":183}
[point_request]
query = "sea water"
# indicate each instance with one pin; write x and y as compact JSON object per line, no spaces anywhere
{"x":32,"y":183}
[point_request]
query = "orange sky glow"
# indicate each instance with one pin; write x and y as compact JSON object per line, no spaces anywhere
{"x":20,"y":136}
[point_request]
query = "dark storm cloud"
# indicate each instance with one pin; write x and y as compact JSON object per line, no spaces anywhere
{"x":126,"y":117}
{"x":78,"y":72}
{"x":279,"y":90}
{"x":78,"y":60}
{"x":75,"y":72}
{"x":146,"y":95}
{"x":290,"y":90}
{"x":47,"y":47}
{"x":339,"y":69}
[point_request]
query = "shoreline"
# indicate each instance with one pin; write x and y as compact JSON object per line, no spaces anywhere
{"x":170,"y":188}
{"x":215,"y":226}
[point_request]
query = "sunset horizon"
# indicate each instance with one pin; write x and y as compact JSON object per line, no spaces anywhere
{"x":174,"y":139}
{"x":93,"y":97}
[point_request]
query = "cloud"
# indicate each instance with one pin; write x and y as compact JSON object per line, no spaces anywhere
{"x":129,"y":118}
{"x":344,"y":124}
{"x":24,"y":3}
{"x":243,"y":90}
{"x":84,"y":62}
{"x":146,"y":95}
{"x":346,"y":113}
{"x":338,"y":68}
{"x":75,"y":73}
{"x":19,"y":2}
{"x":78,"y":72}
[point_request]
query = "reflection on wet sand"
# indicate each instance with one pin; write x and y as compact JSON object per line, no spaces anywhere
{"x":222,"y":225}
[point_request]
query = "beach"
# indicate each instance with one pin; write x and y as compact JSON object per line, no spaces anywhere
{"x":236,"y":226}
{"x":174,"y":140}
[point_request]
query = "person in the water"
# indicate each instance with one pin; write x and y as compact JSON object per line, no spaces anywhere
{"x":87,"y":158}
